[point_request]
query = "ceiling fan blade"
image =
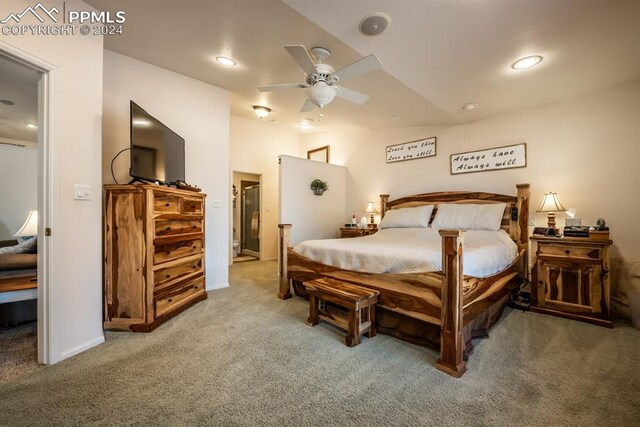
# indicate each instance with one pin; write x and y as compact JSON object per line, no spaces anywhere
{"x":285,"y":86}
{"x":300,"y":54}
{"x":351,"y":95}
{"x":366,"y":64}
{"x":307,"y":106}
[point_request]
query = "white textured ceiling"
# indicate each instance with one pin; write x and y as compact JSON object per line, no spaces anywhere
{"x":18,"y":84}
{"x":436,"y":55}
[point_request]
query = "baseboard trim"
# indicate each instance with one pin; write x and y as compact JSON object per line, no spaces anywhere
{"x":220,"y":286}
{"x":81,"y":348}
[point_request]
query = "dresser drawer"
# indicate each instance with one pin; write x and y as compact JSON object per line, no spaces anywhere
{"x":165,"y":203}
{"x":167,"y":227}
{"x":169,"y":251}
{"x":172,"y":300}
{"x":191,"y":205}
{"x":176,"y":269}
{"x":565,"y":251}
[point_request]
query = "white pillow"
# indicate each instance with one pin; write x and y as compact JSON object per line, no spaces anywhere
{"x":407,"y":217}
{"x":467,"y":216}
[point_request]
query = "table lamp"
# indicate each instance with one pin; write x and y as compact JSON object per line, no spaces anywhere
{"x":551,"y":204}
{"x":30,"y":226}
{"x":371,"y":209}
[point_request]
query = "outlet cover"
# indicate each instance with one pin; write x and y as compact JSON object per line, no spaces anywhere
{"x":81,"y":192}
{"x":217,"y":204}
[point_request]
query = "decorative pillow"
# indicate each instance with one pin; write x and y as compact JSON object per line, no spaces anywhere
{"x":407,"y":217}
{"x":27,"y":247}
{"x":467,"y":216}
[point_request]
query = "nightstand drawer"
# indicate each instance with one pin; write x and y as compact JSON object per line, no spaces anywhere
{"x":565,"y":251}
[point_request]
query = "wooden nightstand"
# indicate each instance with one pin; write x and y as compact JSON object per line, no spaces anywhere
{"x":571,"y":278}
{"x":356,"y":232}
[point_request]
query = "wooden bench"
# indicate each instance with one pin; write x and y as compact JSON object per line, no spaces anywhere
{"x":355,"y":299}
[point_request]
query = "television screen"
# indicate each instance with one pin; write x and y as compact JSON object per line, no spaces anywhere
{"x":157,"y":152}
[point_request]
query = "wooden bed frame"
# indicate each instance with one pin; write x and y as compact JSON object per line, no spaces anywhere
{"x":445,"y":298}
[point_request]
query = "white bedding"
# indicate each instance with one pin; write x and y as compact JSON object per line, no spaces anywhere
{"x":412,"y":250}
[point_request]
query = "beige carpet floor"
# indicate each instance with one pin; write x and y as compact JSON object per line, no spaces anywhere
{"x":18,"y":351}
{"x":244,"y":357}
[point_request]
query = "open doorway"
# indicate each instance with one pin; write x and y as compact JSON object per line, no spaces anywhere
{"x":246,"y":216}
{"x":20,"y":177}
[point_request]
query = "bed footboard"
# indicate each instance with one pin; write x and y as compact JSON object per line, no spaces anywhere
{"x":451,"y":340}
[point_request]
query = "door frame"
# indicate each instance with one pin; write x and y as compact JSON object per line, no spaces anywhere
{"x":47,"y":331}
{"x":259,"y":180}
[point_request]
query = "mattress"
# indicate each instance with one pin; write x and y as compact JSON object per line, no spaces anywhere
{"x":412,"y":250}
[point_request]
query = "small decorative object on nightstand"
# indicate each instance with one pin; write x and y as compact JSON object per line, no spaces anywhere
{"x":551,"y":204}
{"x":356,"y":232}
{"x":571,"y":278}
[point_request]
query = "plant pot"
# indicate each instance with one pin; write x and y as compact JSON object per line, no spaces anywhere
{"x":318,"y":191}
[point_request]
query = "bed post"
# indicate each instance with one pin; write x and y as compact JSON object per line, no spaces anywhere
{"x":284,"y":239}
{"x":384,"y":199}
{"x":451,"y":341}
{"x":523,"y":225}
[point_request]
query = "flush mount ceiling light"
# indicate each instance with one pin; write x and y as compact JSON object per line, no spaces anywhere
{"x":226,"y":61}
{"x":261,"y":111}
{"x":304,"y":125}
{"x":470,"y":106}
{"x":374,"y":24}
{"x":396,"y":118}
{"x":7,"y":102}
{"x":526,"y":62}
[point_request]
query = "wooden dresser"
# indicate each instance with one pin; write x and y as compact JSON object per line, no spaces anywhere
{"x":154,"y":254}
{"x":571,"y":278}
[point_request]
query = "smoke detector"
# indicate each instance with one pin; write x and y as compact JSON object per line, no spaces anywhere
{"x":375,"y":24}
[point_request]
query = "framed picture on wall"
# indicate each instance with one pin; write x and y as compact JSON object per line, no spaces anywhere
{"x":319,"y":154}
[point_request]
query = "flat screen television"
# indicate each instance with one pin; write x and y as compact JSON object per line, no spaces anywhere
{"x":157,"y":152}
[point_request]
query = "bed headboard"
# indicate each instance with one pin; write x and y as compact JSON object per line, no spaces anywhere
{"x":514,"y":222}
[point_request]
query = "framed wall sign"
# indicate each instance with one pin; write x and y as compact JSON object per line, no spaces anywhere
{"x":412,"y":150}
{"x":319,"y":154}
{"x":507,"y":157}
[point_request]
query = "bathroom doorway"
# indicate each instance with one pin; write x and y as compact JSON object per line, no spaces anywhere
{"x":246,"y":216}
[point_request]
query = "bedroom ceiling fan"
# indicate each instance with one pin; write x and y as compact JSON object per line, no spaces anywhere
{"x":321,"y":81}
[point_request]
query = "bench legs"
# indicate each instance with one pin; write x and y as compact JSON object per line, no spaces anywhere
{"x":353,"y":333}
{"x":314,"y":317}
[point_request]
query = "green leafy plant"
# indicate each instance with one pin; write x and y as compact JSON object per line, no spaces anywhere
{"x":319,"y":186}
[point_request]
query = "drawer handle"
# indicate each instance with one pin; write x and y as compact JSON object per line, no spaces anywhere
{"x":168,"y":228}
{"x":195,"y":266}
{"x":195,"y":286}
{"x":170,"y":300}
{"x":193,"y":206}
{"x":168,"y":276}
{"x":194,"y":247}
{"x":567,"y":252}
{"x":168,"y":252}
{"x":193,"y":226}
{"x":167,"y":204}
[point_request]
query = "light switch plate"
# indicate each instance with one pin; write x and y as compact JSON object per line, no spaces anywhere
{"x":532,"y":221}
{"x":217,"y":204}
{"x":81,"y":192}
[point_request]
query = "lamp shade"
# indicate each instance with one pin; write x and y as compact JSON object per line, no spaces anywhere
{"x":30,"y":226}
{"x":321,"y":93}
{"x":551,"y":203}
{"x":371,"y":208}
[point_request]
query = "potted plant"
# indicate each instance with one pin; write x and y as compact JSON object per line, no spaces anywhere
{"x":319,"y":186}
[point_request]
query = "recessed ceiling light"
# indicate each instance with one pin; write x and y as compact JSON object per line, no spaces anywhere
{"x":527,"y":62}
{"x":261,"y":111}
{"x":374,"y":24}
{"x":31,"y":125}
{"x":396,"y":118}
{"x":226,"y":61}
{"x":470,"y":106}
{"x":7,"y":102}
{"x":304,"y":125}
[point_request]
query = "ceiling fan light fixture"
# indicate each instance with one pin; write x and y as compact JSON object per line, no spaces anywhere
{"x":261,"y":111}
{"x":526,"y":62}
{"x":374,"y":24}
{"x":321,"y":93}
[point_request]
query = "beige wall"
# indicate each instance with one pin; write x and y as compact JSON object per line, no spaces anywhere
{"x":17,"y":165}
{"x":75,"y":281}
{"x":198,"y":112}
{"x":585,"y":149}
{"x":255,"y":148}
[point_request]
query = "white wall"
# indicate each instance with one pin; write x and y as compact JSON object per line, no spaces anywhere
{"x":255,"y":148}
{"x":197,"y":111}
{"x":585,"y":149}
{"x":75,"y":283}
{"x":18,"y":188}
{"x":312,"y":217}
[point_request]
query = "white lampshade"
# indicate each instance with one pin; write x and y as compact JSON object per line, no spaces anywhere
{"x":551,"y":203}
{"x":30,"y":226}
{"x":371,"y":208}
{"x":321,"y":93}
